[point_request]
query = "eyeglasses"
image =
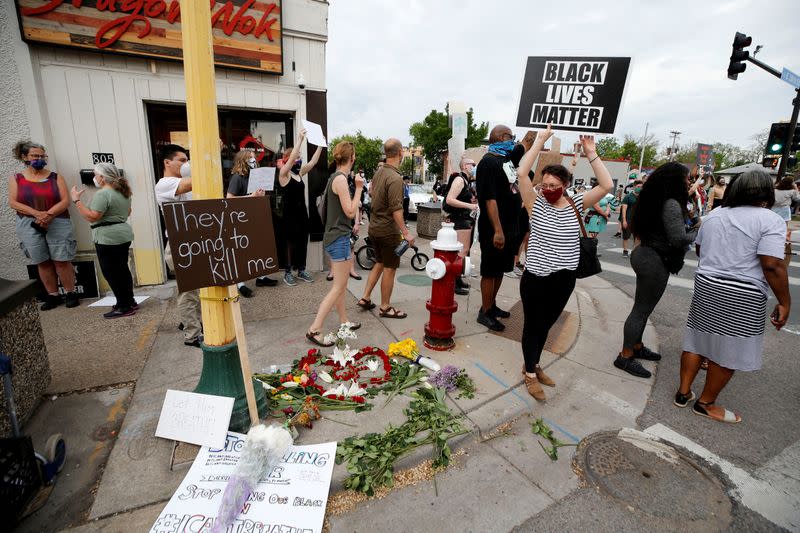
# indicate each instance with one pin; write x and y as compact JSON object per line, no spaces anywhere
{"x":511,"y":137}
{"x":550,"y":187}
{"x":37,"y":156}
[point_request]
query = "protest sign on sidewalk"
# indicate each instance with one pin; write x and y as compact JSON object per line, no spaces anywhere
{"x":292,"y":497}
{"x":196,"y":418}
{"x":573,"y":93}
{"x":220,"y":242}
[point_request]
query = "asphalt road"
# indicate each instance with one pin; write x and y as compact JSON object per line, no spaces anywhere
{"x":768,"y":400}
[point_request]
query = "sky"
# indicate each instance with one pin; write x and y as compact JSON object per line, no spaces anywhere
{"x":390,"y":63}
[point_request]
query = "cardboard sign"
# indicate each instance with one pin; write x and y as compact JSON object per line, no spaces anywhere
{"x":261,"y":178}
{"x":291,"y":498}
{"x":573,"y":93}
{"x":85,"y":280}
{"x":200,"y":419}
{"x":705,"y":156}
{"x":220,"y":242}
{"x":314,"y":134}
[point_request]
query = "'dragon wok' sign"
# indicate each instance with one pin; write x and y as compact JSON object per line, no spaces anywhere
{"x":247,"y":33}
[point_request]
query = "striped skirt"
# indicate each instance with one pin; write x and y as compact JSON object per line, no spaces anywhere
{"x":726,"y":322}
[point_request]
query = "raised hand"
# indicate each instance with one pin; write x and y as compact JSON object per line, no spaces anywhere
{"x":588,"y":144}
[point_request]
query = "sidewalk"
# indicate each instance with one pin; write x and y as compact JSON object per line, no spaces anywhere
{"x":126,"y":478}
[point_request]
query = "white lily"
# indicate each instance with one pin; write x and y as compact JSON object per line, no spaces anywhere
{"x":341,"y":390}
{"x":324,"y":376}
{"x":289,"y":384}
{"x":343,"y":356}
{"x":355,"y":390}
{"x":373,"y":365}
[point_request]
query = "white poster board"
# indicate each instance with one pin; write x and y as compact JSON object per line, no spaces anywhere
{"x":292,"y":497}
{"x":200,"y":419}
{"x":261,"y":178}
{"x":314,"y":134}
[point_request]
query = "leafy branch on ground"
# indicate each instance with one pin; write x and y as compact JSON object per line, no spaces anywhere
{"x":540,"y":427}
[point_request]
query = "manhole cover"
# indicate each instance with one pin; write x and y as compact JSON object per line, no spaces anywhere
{"x":415,"y":280}
{"x":653,"y":478}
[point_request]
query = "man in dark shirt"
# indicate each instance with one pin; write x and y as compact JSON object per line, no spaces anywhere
{"x":498,"y":225}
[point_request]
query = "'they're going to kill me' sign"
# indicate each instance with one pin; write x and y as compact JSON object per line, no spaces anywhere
{"x":573,"y":93}
{"x":220,"y":242}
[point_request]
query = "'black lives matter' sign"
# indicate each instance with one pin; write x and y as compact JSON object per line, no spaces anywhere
{"x":220,"y":242}
{"x":573,"y":93}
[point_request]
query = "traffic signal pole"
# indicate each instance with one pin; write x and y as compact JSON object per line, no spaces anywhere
{"x":787,"y":148}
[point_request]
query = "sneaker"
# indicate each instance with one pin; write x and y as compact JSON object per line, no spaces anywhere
{"x":647,"y":354}
{"x":496,"y":312}
{"x":512,"y":274}
{"x":490,"y":322}
{"x":618,"y":234}
{"x":71,"y":299}
{"x":682,"y":400}
{"x":246,"y":291}
{"x":518,"y":271}
{"x":632,"y":367}
{"x":266,"y":281}
{"x":288,"y":278}
{"x":51,"y":301}
{"x":194,"y":342}
{"x":462,"y":287}
{"x":305,"y":276}
{"x":119,"y":313}
{"x":624,"y":253}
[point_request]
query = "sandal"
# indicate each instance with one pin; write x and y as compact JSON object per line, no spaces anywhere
{"x":391,"y":312}
{"x":729,"y":417}
{"x":365,"y":304}
{"x":329,"y":277}
{"x":352,"y":326}
{"x":355,"y":276}
{"x":682,"y":400}
{"x":312,"y":336}
{"x":704,"y":364}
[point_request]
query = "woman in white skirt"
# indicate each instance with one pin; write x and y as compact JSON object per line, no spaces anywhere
{"x":741,"y":257}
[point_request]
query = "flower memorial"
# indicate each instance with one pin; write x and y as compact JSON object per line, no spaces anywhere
{"x":451,"y":378}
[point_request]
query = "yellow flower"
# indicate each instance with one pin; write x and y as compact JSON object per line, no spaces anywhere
{"x":296,"y":379}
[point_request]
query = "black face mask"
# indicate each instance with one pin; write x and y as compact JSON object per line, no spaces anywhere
{"x":296,"y":167}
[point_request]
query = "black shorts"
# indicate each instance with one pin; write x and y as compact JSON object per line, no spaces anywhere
{"x":461,"y":222}
{"x":384,"y":250}
{"x":494,"y":262}
{"x":626,"y":232}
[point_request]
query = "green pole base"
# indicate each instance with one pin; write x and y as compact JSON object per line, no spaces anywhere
{"x":222,"y":376}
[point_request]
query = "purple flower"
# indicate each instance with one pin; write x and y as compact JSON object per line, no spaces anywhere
{"x":446,"y":378}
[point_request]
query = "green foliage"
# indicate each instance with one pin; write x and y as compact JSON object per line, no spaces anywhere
{"x":540,"y":427}
{"x":407,"y":167}
{"x":433,"y":133}
{"x":370,"y":458}
{"x":631,"y":148}
{"x":368,"y":151}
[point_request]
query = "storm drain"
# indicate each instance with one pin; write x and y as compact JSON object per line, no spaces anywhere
{"x":652,"y":478}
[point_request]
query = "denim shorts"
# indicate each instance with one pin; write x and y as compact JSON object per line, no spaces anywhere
{"x":57,"y":244}
{"x":339,"y":250}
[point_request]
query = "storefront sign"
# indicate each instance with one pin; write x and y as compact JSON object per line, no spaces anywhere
{"x":85,"y":280}
{"x":220,"y":242}
{"x":290,"y":498}
{"x":573,"y":93}
{"x":247,"y":33}
{"x":705,"y":156}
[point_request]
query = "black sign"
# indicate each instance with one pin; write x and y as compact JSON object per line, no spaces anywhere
{"x":220,"y":242}
{"x":573,"y":93}
{"x":102,"y":157}
{"x":85,"y":280}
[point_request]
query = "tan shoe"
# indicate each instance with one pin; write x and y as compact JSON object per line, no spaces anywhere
{"x":544,"y":379}
{"x":534,"y":389}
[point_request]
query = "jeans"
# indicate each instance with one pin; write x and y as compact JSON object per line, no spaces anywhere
{"x":543,"y":300}
{"x":113,"y":259}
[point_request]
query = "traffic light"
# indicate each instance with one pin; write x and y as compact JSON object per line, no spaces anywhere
{"x":778,"y":137}
{"x":739,"y":55}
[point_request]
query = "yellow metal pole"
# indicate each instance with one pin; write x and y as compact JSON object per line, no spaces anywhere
{"x":201,"y":111}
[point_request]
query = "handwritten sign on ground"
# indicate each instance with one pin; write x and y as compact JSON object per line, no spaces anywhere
{"x":220,"y":242}
{"x":290,"y":498}
{"x":573,"y":93}
{"x":200,"y":419}
{"x":261,"y":178}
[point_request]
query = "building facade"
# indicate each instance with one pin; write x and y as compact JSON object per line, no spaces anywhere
{"x":88,"y":100}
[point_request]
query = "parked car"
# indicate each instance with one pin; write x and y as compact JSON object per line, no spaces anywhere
{"x":418,"y":195}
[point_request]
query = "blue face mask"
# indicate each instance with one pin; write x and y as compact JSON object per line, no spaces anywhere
{"x":38,"y":164}
{"x":502,"y":148}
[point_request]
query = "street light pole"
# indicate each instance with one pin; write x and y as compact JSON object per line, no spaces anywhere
{"x":674,"y":134}
{"x":644,"y":139}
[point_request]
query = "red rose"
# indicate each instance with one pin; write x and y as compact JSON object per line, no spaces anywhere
{"x":312,"y":351}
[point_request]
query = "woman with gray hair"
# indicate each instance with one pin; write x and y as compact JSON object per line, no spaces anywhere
{"x":108,"y":213}
{"x":740,"y":247}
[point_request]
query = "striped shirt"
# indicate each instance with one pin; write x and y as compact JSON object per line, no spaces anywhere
{"x":554,"y":241}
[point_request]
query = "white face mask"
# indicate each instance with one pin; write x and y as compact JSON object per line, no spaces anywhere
{"x":252,"y":162}
{"x":186,"y":171}
{"x":97,"y":182}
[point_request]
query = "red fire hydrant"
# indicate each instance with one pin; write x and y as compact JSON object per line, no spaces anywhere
{"x":443,"y":269}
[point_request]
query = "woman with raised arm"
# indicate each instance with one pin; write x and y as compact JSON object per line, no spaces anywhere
{"x":553,"y":249}
{"x":291,"y":213}
{"x":340,"y":210}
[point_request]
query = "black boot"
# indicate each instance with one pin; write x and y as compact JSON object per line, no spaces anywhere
{"x":462,"y":288}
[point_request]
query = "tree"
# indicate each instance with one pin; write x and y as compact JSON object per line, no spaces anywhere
{"x":434,"y":132}
{"x":368,"y":151}
{"x":632,"y":148}
{"x":407,"y":167}
{"x":608,"y":148}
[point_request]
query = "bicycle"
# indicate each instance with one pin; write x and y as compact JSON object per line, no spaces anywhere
{"x":365,"y":257}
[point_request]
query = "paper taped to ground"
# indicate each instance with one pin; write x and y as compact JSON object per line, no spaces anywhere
{"x":314,"y":134}
{"x":200,"y":419}
{"x":108,"y":301}
{"x":290,"y":498}
{"x":261,"y":178}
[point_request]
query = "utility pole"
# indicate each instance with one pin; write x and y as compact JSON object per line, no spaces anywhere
{"x":644,"y":140}
{"x":674,"y":134}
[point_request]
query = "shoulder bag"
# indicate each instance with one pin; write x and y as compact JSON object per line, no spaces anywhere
{"x":588,"y":264}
